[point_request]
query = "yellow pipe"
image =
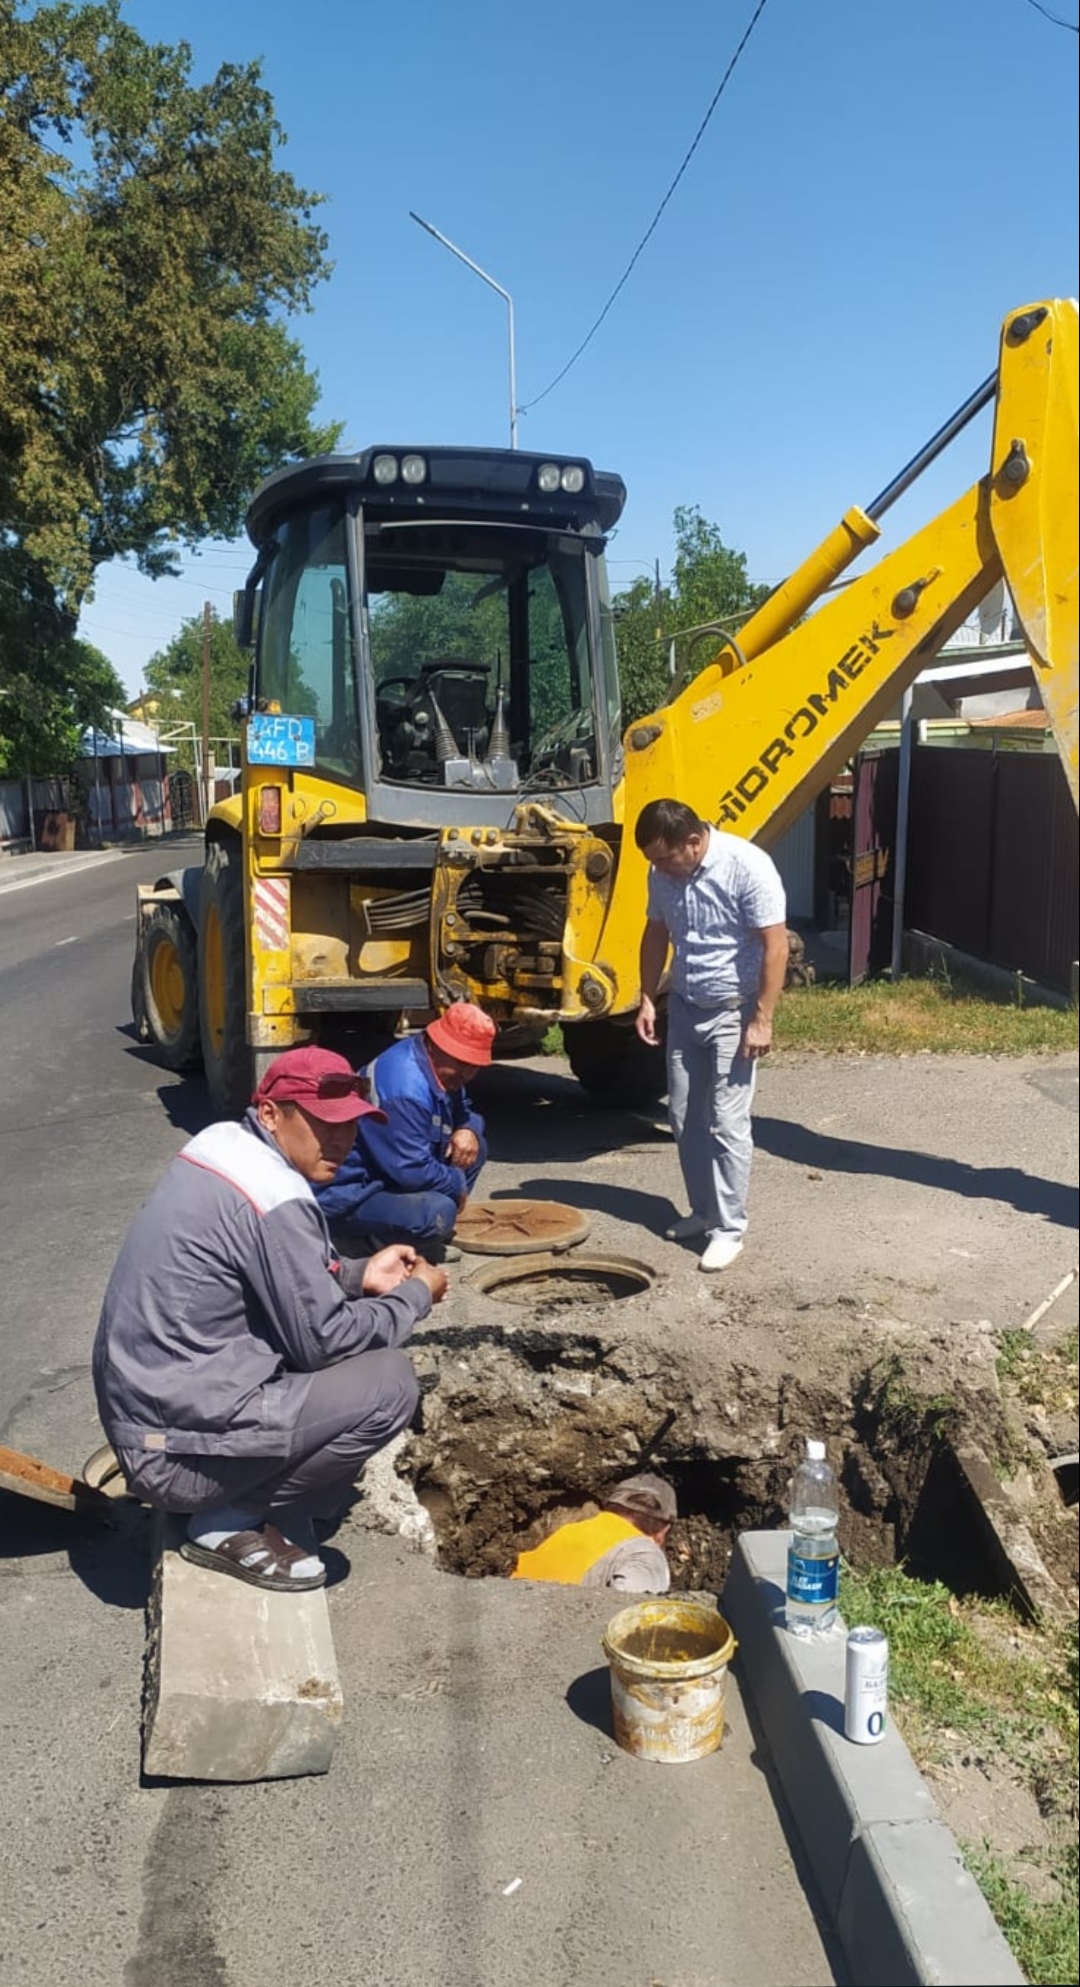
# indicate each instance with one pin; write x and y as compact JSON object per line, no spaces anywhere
{"x":807,"y":583}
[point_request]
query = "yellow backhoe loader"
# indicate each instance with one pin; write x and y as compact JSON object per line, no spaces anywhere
{"x":437,"y":798}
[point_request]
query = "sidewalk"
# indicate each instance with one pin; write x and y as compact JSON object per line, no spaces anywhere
{"x":18,"y":872}
{"x":530,"y":1851}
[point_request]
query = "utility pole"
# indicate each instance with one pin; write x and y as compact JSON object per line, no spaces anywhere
{"x":207,"y":778}
{"x":658,"y":599}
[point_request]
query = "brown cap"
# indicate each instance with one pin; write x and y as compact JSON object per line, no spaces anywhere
{"x":648,"y":1496}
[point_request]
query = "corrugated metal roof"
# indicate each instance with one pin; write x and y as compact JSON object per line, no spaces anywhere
{"x":1012,"y":721}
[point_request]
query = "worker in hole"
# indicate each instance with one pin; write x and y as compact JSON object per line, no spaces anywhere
{"x":414,"y":1165}
{"x":622,"y":1547}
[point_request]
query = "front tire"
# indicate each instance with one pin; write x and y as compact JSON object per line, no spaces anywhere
{"x":223,"y":979}
{"x":614,"y":1065}
{"x":165,"y":991}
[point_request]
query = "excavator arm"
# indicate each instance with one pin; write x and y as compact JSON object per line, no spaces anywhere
{"x":757,"y":734}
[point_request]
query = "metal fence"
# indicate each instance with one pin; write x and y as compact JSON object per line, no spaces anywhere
{"x":992,"y":862}
{"x":25,"y":805}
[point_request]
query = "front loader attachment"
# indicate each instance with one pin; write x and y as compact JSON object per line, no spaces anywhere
{"x":1035,"y":513}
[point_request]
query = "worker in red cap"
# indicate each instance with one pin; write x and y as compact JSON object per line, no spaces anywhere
{"x":243,"y":1373}
{"x":412,"y":1169}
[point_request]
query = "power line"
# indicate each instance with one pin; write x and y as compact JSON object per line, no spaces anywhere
{"x":650,"y":230}
{"x":1056,"y":18}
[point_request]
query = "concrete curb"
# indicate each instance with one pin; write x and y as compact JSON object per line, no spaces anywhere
{"x":45,"y":866}
{"x":893,"y":1883}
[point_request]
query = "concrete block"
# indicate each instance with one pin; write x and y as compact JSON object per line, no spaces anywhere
{"x":797,"y":1687}
{"x":240,"y":1684}
{"x":912,"y":1913}
{"x":890,"y":1873}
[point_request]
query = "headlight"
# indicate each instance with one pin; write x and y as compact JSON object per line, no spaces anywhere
{"x":385,"y":469}
{"x":573,"y":479}
{"x":413,"y":469}
{"x":547,"y":477}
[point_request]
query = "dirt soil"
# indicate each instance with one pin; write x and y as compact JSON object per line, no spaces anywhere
{"x":905,"y":1213}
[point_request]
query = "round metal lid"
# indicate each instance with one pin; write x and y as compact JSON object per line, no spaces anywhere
{"x":519,"y":1227}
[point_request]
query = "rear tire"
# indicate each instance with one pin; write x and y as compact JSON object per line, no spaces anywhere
{"x":223,"y":980}
{"x":166,"y":987}
{"x":614,"y":1065}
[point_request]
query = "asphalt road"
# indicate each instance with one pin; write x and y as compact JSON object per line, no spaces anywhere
{"x":476,"y":1750}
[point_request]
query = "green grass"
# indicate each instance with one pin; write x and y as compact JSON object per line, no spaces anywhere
{"x":918,"y":1017}
{"x":1042,"y":1933}
{"x":1041,"y":1375}
{"x":911,"y":1017}
{"x":970,"y":1672}
{"x":905,"y":1410}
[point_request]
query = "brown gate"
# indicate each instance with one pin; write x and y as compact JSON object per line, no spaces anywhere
{"x":872,"y":864}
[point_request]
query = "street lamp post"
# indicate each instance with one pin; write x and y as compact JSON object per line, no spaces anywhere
{"x":492,"y":284}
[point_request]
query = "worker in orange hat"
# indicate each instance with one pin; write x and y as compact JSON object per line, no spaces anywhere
{"x":411,"y":1171}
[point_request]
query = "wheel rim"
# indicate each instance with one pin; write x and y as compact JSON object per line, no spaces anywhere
{"x":214,"y":981}
{"x":167,"y":986}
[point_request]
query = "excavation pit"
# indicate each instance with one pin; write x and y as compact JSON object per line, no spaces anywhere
{"x":548,"y":1282}
{"x":524,"y":1425}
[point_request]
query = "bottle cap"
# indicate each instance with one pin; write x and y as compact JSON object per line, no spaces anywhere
{"x":815,"y":1451}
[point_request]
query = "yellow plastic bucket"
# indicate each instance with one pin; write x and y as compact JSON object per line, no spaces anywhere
{"x":669,"y":1662}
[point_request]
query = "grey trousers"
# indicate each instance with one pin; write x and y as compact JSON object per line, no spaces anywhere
{"x":352,"y":1409}
{"x":710,"y":1093}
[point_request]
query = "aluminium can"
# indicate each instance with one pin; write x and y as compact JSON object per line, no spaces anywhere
{"x":866,"y":1682}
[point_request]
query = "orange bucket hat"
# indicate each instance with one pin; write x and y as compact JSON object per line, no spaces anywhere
{"x":464,"y":1032}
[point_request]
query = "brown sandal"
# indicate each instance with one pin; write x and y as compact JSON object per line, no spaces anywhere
{"x":262,"y":1558}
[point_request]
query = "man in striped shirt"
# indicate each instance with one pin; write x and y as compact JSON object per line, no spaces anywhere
{"x":717,"y":903}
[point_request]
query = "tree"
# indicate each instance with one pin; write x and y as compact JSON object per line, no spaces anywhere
{"x":644,"y":616}
{"x":176,"y":673}
{"x":710,"y":584}
{"x":150,"y":251}
{"x":42,"y":721}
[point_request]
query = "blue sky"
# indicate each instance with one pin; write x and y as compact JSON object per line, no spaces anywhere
{"x":881,"y":181}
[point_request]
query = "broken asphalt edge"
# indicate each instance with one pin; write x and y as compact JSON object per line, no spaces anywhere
{"x":890,"y":1873}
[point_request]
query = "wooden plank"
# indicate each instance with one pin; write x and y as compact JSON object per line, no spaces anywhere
{"x":28,"y":1477}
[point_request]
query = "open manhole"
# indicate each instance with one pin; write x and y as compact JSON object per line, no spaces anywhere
{"x":553,"y":1281}
{"x":519,"y":1227}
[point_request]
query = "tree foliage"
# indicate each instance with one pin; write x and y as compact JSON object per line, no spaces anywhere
{"x":174,"y":676}
{"x":709,"y":584}
{"x":42,"y":721}
{"x":150,"y":252}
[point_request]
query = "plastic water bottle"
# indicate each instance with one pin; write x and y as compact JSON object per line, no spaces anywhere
{"x":813,"y":1567}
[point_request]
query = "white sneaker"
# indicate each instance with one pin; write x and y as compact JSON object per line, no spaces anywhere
{"x":686,"y":1229}
{"x":721,"y":1252}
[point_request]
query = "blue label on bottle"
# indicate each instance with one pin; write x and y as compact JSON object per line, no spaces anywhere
{"x":813,"y":1581}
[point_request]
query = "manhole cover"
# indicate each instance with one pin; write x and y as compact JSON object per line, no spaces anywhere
{"x":557,"y":1281}
{"x":516,"y":1227}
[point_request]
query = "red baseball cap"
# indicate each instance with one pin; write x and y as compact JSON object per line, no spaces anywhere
{"x":324,"y":1083}
{"x":464,"y":1032}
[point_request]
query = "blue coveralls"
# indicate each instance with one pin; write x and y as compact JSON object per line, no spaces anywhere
{"x":397,"y":1184}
